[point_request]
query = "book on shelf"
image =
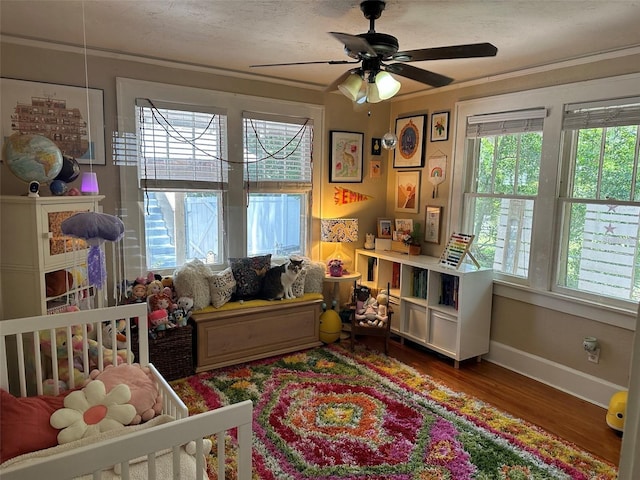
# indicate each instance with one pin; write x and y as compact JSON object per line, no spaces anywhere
{"x":395,"y":280}
{"x":449,"y":286}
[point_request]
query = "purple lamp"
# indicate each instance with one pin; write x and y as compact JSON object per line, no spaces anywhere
{"x":89,"y":184}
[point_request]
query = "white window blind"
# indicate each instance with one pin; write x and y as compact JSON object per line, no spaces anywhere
{"x":278,"y":151}
{"x":506,"y":123}
{"x":181,"y":148}
{"x":613,"y":113}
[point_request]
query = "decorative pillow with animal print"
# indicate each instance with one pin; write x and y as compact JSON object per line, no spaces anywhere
{"x":249,"y":272}
{"x":298,"y":285}
{"x":222,"y":285}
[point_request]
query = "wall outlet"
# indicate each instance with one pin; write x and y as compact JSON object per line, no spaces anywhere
{"x":594,"y":356}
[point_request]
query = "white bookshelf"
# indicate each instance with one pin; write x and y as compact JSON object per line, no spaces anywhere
{"x":444,"y":309}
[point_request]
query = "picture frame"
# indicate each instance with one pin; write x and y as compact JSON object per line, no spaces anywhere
{"x":376,"y":146}
{"x":404,"y":225}
{"x":440,"y":126}
{"x":28,"y":98}
{"x":407,"y":191}
{"x":345,"y":156}
{"x":385,"y":228}
{"x":432,"y":224}
{"x":409,"y":152}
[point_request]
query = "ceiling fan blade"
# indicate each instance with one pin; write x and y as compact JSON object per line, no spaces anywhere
{"x":418,"y":74}
{"x":330,"y":62}
{"x":445,"y":53}
{"x":355,"y":44}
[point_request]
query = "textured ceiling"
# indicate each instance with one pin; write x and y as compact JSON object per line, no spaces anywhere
{"x":231,"y":35}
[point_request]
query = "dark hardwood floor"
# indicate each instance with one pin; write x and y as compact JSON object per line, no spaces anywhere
{"x":564,"y":415}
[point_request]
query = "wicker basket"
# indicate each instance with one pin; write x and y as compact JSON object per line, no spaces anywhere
{"x":171,"y":352}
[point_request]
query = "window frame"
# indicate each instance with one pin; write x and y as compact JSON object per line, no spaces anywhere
{"x":539,"y":288}
{"x":233,"y":105}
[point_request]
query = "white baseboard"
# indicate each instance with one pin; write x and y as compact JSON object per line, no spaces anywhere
{"x":579,"y":384}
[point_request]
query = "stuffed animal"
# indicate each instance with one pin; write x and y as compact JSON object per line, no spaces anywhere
{"x":183,"y":311}
{"x":138,"y":292}
{"x":159,"y":320}
{"x":121,"y":338}
{"x":62,"y":355}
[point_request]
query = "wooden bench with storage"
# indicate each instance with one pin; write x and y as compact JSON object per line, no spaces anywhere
{"x":243,"y":331}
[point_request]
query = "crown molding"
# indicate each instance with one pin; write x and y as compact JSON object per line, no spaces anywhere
{"x":583,"y":60}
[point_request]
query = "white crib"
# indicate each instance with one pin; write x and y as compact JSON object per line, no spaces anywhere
{"x":24,"y":366}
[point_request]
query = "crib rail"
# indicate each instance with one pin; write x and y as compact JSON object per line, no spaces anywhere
{"x":25,"y":364}
{"x":92,"y":459}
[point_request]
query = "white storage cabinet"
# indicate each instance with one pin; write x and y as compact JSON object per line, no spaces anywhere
{"x":32,"y":245}
{"x":441,"y":308}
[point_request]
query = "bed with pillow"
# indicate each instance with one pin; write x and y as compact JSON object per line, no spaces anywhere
{"x":119,"y":418}
{"x":232,"y":326}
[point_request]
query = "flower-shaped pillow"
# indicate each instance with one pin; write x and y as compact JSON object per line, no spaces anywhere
{"x":91,"y":411}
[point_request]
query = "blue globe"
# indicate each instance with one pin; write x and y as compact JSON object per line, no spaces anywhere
{"x":58,"y":187}
{"x":32,"y":157}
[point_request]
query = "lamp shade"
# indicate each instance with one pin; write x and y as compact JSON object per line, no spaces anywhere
{"x":387,"y":85}
{"x":89,"y":185}
{"x":339,"y":230}
{"x":351,"y":86}
{"x":373,"y":96}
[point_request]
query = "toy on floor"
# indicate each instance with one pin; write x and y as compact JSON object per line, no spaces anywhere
{"x":369,"y":311}
{"x":617,"y":410}
{"x":330,"y":326}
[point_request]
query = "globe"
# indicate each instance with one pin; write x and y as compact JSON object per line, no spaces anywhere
{"x":70,"y":169}
{"x":32,"y":157}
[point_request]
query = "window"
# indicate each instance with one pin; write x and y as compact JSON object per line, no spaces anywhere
{"x":549,"y":182}
{"x":204,"y":176}
{"x":277,"y":159}
{"x":181,"y":170}
{"x":600,"y":204}
{"x":504,"y":156}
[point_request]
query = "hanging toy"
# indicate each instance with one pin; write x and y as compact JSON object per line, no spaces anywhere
{"x":95,"y":228}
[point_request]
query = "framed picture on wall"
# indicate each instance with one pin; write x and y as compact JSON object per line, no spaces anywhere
{"x":409,"y":151}
{"x":72,"y":117}
{"x":345,"y":157}
{"x":432,"y":224}
{"x":407,"y":191}
{"x":440,"y":126}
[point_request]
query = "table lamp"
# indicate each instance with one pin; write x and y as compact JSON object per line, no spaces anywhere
{"x":339,"y":231}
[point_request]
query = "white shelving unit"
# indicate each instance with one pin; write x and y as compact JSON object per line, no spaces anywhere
{"x":32,"y":245}
{"x":444,"y":309}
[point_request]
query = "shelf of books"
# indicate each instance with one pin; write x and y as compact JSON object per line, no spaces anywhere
{"x":441,"y":307}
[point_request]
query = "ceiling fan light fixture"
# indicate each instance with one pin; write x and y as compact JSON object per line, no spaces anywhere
{"x":387,"y":85}
{"x":373,"y":96}
{"x":351,"y":86}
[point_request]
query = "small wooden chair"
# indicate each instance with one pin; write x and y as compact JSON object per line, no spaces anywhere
{"x":361,"y":293}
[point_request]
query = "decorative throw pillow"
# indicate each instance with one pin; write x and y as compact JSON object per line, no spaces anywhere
{"x":249,"y":273}
{"x":192,"y":280}
{"x":298,"y":285}
{"x":314,"y":279}
{"x":91,"y":411}
{"x":222,"y":286}
{"x":145,"y":396}
{"x":24,"y":423}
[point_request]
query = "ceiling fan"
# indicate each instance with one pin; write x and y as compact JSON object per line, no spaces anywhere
{"x":372,"y":50}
